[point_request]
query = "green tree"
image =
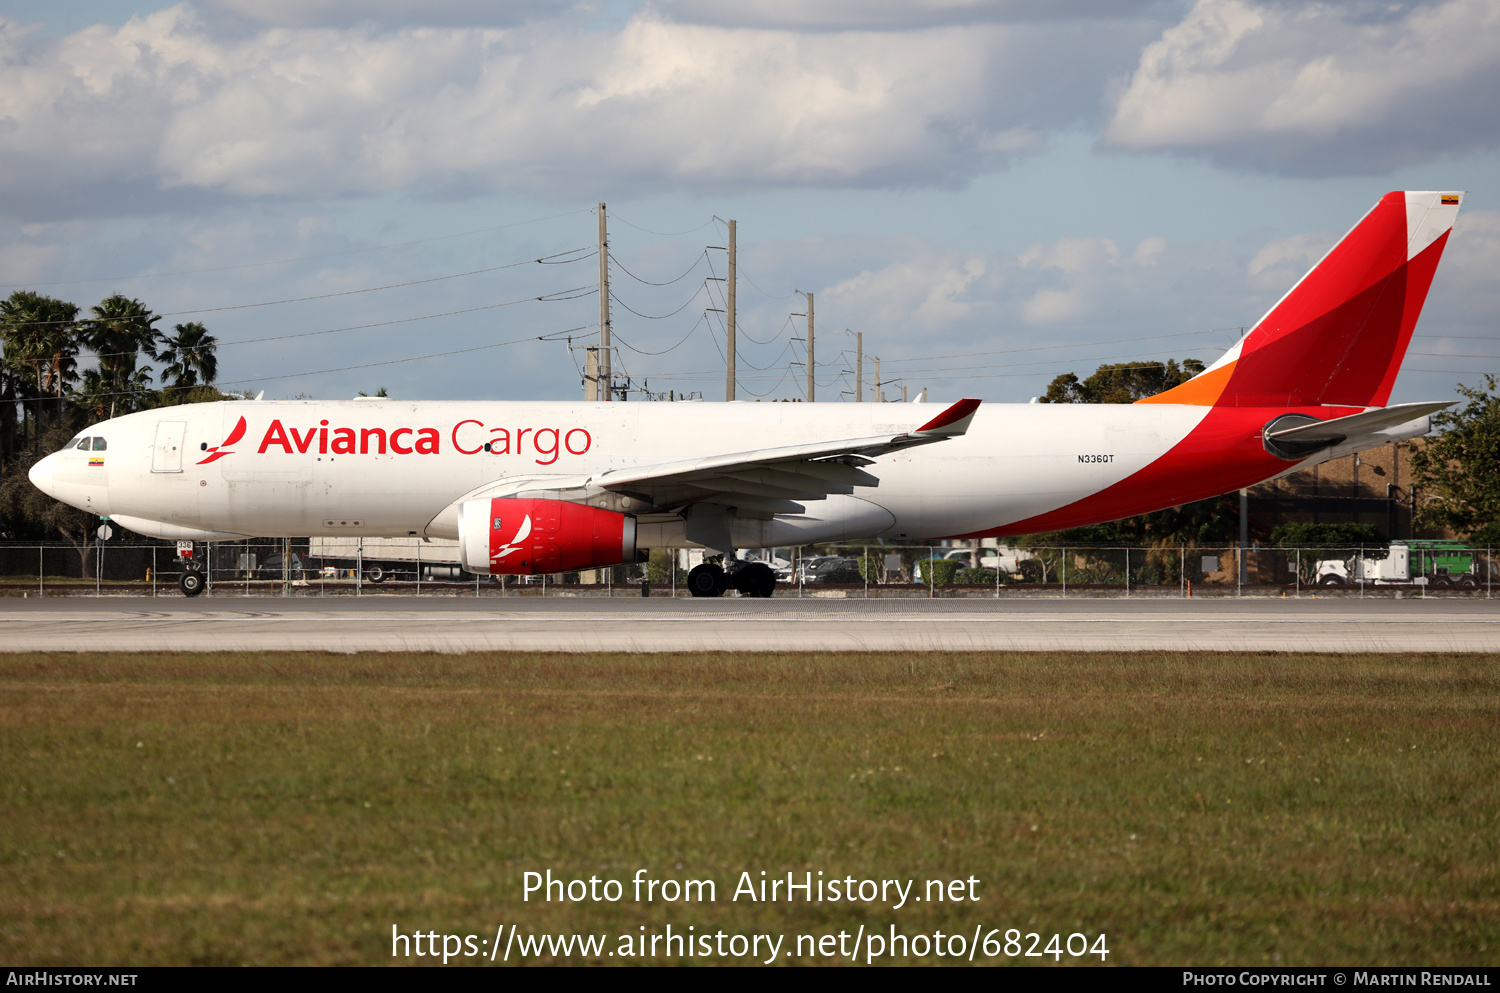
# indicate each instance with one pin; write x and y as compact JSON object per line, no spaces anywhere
{"x":90,"y":402}
{"x":41,"y":348}
{"x":1121,"y":382}
{"x":189,"y":354}
{"x":1460,"y":468}
{"x":119,"y":329}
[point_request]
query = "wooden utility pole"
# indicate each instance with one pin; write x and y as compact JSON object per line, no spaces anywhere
{"x":811,"y":382}
{"x":859,"y":367}
{"x":591,"y":372}
{"x":729,"y":318}
{"x":606,"y":371}
{"x":879,"y":393}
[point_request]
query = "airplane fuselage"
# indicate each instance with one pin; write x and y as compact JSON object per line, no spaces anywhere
{"x":392,"y":468}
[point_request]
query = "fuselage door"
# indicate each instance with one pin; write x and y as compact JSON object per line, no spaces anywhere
{"x":166,"y":455}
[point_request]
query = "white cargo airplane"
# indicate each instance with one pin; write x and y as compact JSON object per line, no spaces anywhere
{"x":560,"y":486}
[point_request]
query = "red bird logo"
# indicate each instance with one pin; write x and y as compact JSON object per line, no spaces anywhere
{"x":222,"y":449}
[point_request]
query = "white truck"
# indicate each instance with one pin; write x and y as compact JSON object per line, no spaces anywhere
{"x":436,"y":558}
{"x":1415,"y":563}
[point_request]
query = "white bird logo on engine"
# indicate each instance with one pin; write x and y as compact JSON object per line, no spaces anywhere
{"x":522,"y":534}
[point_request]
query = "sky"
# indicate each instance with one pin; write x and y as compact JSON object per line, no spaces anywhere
{"x":386,"y":194}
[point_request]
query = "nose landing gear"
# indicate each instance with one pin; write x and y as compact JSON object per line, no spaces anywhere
{"x":191,"y":582}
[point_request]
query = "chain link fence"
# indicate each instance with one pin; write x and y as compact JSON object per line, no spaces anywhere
{"x":351,"y":567}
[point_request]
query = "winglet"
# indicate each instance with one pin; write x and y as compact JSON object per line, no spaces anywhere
{"x":953,"y":421}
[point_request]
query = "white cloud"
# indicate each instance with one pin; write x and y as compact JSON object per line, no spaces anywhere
{"x":327,"y":13}
{"x":164,"y":102}
{"x":1071,"y":290}
{"x":931,"y":291}
{"x":840,"y":15}
{"x":1465,"y":295}
{"x":1318,"y":88}
{"x":1291,"y":257}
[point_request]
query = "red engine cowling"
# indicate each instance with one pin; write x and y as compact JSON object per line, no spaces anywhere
{"x":519,"y":536}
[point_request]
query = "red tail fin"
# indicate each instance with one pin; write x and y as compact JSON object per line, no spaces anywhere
{"x":1339,"y":336}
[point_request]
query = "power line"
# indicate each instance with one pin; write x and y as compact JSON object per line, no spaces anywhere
{"x":545,"y":260}
{"x":651,"y":317}
{"x":648,"y":282}
{"x":304,"y":258}
{"x":1021,"y":365}
{"x":773,"y":337}
{"x":740,"y":271}
{"x":661,"y":234}
{"x":785,"y":373}
{"x":1045,"y":348}
{"x":679,"y":344}
{"x":550,"y":336}
{"x":770,"y":365}
{"x":772,"y":296}
{"x":1454,"y":372}
{"x":576,"y":293}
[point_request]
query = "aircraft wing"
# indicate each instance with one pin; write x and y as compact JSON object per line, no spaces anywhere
{"x":768,"y":480}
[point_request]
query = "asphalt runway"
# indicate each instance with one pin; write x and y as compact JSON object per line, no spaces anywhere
{"x":397,"y":623}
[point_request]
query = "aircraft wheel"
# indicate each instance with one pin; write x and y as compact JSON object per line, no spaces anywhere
{"x":755,"y":580}
{"x":707,"y":580}
{"x":375,"y":574}
{"x":191,"y":582}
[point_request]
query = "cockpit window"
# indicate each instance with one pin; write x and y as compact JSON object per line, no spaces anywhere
{"x":100,"y":444}
{"x":79,"y":443}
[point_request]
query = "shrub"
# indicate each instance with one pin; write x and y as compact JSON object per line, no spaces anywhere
{"x":942,"y":571}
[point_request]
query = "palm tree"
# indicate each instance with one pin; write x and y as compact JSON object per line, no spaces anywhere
{"x":119,"y":330}
{"x":189,"y":354}
{"x":8,"y":399}
{"x":40,"y":337}
{"x":91,"y":401}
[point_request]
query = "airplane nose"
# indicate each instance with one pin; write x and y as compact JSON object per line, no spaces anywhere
{"x":41,"y":475}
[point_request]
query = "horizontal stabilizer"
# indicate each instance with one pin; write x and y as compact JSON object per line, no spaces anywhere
{"x":1354,"y":433}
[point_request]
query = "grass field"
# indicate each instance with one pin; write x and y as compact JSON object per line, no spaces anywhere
{"x":1240,"y":809}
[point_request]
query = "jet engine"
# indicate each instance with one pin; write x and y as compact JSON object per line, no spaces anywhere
{"x":525,"y":536}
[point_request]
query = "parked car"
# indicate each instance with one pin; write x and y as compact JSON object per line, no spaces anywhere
{"x":778,"y":565}
{"x":830,"y":569}
{"x":270,"y":566}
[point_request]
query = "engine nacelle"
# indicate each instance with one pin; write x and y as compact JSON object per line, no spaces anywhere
{"x":521,"y":536}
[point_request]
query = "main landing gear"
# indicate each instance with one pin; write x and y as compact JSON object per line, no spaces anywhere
{"x":754,"y":579}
